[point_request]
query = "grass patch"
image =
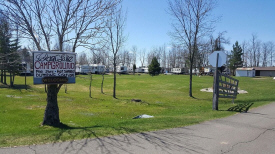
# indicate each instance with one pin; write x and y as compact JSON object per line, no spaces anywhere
{"x":165,"y":97}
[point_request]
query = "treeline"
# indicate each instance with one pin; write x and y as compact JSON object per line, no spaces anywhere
{"x":255,"y":53}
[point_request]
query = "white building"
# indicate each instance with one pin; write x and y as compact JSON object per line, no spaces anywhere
{"x":247,"y":72}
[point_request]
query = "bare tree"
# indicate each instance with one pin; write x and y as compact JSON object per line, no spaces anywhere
{"x":220,"y":40}
{"x":265,"y":53}
{"x":82,"y":59}
{"x":115,"y":35}
{"x":271,"y":48}
{"x":245,"y":53}
{"x":142,"y":57}
{"x":134,"y":51}
{"x":40,"y":20}
{"x":254,"y":51}
{"x":191,"y":23}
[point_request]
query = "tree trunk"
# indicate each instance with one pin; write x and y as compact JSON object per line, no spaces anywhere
{"x":90,"y":87}
{"x":11,"y":84}
{"x":114,"y":90}
{"x":51,"y":116}
{"x":5,"y":79}
{"x":1,"y":75}
{"x":190,"y":81}
{"x":102,"y":83}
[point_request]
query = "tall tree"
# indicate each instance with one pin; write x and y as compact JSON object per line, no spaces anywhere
{"x":154,"y":68}
{"x":219,"y":41}
{"x":254,"y":53}
{"x":71,"y":21}
{"x":245,"y":53}
{"x":191,"y":23}
{"x":8,"y":51}
{"x":271,"y":46}
{"x":236,"y":57}
{"x":115,"y":36}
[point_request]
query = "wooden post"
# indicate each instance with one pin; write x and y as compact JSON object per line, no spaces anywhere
{"x":216,"y":86}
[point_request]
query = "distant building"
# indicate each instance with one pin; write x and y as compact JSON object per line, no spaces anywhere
{"x":245,"y":72}
{"x":265,"y":71}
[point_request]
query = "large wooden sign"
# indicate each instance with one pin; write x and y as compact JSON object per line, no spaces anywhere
{"x":53,"y":67}
{"x":227,"y":88}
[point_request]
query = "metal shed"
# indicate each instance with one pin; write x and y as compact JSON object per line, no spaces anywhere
{"x":246,"y":72}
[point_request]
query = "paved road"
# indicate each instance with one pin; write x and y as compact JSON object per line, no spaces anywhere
{"x":245,"y":133}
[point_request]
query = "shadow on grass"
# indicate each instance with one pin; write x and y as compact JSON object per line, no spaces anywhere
{"x":167,"y":141}
{"x":15,"y":86}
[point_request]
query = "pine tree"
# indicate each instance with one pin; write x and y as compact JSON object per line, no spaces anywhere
{"x":236,"y":57}
{"x":154,"y":67}
{"x":9,"y":57}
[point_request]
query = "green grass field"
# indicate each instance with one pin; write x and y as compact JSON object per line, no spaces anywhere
{"x":165,"y":97}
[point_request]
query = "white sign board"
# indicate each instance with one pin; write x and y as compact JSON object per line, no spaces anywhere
{"x":213,"y":58}
{"x":53,"y":67}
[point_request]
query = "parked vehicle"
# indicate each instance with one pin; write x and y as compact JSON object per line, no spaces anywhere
{"x":25,"y":68}
{"x":142,"y":70}
{"x":179,"y":70}
{"x":121,"y":69}
{"x":91,"y":68}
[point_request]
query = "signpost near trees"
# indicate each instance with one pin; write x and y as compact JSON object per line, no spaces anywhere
{"x":224,"y":86}
{"x":53,"y":69}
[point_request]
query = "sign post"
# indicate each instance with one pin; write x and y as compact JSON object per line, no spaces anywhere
{"x":53,"y":67}
{"x":216,"y":86}
{"x":217,"y":59}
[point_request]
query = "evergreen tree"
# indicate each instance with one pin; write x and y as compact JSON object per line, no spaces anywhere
{"x":154,"y":67}
{"x":236,"y":57}
{"x":9,"y":57}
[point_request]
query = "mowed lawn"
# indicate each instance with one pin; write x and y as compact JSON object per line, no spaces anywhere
{"x":165,"y":97}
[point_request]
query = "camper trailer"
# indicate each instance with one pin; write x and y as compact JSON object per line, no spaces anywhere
{"x":92,"y":68}
{"x":25,"y":68}
{"x":178,"y":70}
{"x":130,"y":69}
{"x":121,"y":69}
{"x":142,"y":70}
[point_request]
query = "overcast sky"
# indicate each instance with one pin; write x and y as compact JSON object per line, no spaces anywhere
{"x":148,"y":22}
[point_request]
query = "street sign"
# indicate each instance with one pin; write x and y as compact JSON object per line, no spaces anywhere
{"x":213,"y":58}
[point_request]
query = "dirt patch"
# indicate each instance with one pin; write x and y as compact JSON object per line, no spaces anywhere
{"x":211,"y":90}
